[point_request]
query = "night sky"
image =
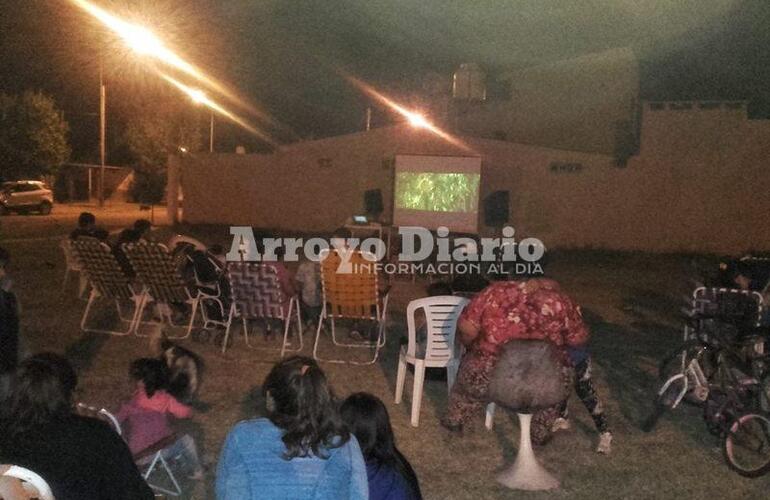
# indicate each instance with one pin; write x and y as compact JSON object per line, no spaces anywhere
{"x":285,"y":56}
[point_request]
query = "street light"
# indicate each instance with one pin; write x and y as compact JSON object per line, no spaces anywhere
{"x":199,"y":97}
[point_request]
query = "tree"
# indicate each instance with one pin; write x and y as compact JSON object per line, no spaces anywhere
{"x":157,"y":130}
{"x":33,"y":136}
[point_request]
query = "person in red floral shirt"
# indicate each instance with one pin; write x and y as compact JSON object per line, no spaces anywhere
{"x":533,"y":309}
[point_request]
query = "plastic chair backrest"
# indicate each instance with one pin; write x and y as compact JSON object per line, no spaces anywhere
{"x":441,"y":315}
{"x":69,"y":257}
{"x":255,"y":287}
{"x":155,"y":268}
{"x":101,"y":414}
{"x":350,"y":290}
{"x":101,"y":268}
{"x":32,"y":479}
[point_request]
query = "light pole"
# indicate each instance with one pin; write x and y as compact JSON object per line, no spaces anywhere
{"x":102,"y":129}
{"x":199,"y":97}
{"x":211,"y":132}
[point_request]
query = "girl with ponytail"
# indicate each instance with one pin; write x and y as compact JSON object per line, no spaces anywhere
{"x":301,"y":450}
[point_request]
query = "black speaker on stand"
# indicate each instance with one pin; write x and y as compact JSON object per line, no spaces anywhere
{"x":497,"y":209}
{"x":373,"y":204}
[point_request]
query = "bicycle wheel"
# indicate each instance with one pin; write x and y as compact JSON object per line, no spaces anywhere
{"x":746,"y":445}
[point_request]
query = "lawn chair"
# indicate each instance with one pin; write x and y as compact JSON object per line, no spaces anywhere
{"x":72,"y":266}
{"x":351,"y":293}
{"x":257,"y":293}
{"x":149,"y":460}
{"x":108,"y":281}
{"x":156,"y":270}
{"x":438,"y":350}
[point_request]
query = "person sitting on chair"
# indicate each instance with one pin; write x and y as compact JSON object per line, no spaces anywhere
{"x":87,"y":227}
{"x":80,"y":458}
{"x":147,"y":416}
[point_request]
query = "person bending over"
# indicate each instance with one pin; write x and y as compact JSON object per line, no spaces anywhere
{"x":535,"y":309}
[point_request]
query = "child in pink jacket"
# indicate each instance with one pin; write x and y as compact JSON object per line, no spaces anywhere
{"x":145,"y":418}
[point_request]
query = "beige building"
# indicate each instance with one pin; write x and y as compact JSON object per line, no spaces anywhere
{"x":697,"y":185}
{"x":589,"y":103}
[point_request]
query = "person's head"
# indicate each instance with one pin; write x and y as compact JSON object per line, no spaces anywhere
{"x":340,"y":237}
{"x":141,"y":226}
{"x":742,"y":274}
{"x":300,"y":402}
{"x":86,"y":220}
{"x":368,"y":420}
{"x":41,"y":392}
{"x":150,"y":374}
{"x":439,"y":288}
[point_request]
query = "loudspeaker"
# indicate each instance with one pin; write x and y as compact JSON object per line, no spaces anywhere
{"x":496,"y":208}
{"x":373,"y":202}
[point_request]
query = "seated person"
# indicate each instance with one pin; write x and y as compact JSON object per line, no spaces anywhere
{"x":9,"y":326}
{"x":87,"y":227}
{"x":146,"y":416}
{"x":134,"y":234}
{"x":308,"y":281}
{"x":80,"y":458}
{"x":390,"y":475}
{"x":301,"y":450}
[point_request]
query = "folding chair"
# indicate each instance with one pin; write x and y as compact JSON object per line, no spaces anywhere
{"x":257,"y":293}
{"x":155,"y":269}
{"x":108,"y":281}
{"x":72,"y":266}
{"x":32,"y":485}
{"x":436,"y":351}
{"x":151,"y":457}
{"x":352,"y":293}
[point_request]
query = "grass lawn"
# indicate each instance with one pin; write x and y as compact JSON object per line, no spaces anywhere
{"x":630,"y":300}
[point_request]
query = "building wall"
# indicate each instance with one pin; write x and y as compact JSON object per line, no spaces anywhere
{"x":582,"y":104}
{"x":698,"y":185}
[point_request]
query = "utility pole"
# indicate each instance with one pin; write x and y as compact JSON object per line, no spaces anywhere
{"x":211,"y":134}
{"x":102,"y":128}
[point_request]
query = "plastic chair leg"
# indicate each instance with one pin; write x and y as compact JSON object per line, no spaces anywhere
{"x":489,"y":420}
{"x":419,"y":378}
{"x":400,"y":378}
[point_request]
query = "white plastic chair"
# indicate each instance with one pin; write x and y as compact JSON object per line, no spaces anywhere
{"x":31,"y":482}
{"x":72,"y":265}
{"x":439,"y":351}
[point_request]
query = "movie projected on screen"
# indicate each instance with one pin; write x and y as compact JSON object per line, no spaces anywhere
{"x":433,"y":191}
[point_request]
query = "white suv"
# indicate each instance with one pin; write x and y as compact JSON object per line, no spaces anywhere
{"x":23,"y":196}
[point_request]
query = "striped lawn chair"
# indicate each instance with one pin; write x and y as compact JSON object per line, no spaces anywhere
{"x":108,"y":282}
{"x":351,"y":291}
{"x":157,"y":272}
{"x":258,"y":293}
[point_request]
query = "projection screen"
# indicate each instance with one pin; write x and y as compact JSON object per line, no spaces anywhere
{"x":433,"y":191}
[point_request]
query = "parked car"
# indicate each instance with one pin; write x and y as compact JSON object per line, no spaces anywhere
{"x":25,"y":196}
